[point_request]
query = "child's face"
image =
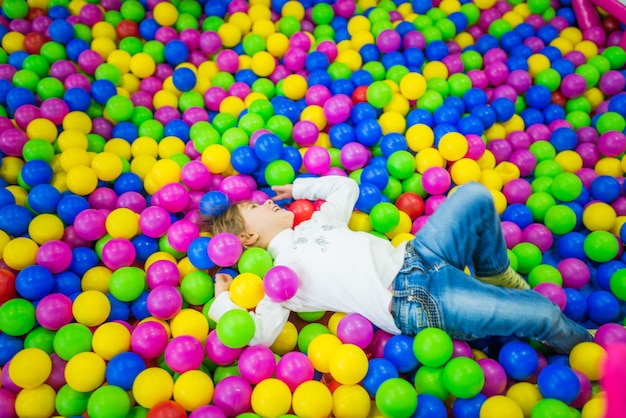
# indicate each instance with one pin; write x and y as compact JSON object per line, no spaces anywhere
{"x":267,"y":219}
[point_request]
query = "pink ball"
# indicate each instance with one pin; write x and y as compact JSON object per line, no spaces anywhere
{"x":208,"y":411}
{"x":553,"y":292}
{"x":164,"y":302}
{"x":461,"y":348}
{"x":414,"y":39}
{"x":300,"y":40}
{"x":585,"y":392}
{"x":573,"y":85}
{"x":131,"y":200}
{"x":497,"y":73}
{"x":228,"y":61}
{"x":195,"y":114}
{"x":388,"y":41}
{"x":512,"y":234}
{"x":317,"y":160}
{"x":612,"y":143}
{"x":118,"y":252}
{"x":239,"y":89}
{"x":256,"y":363}
{"x":154,"y":221}
{"x":12,"y":142}
{"x":478,"y":78}
{"x":501,"y":149}
{"x":181,"y":233}
{"x":344,"y":8}
{"x":210,"y":42}
{"x":184,"y":353}
{"x":173,"y":197}
{"x":102,"y":198}
{"x":539,"y":235}
{"x":162,"y":272}
{"x":54,"y":310}
{"x":317,"y":95}
{"x":520,"y":80}
{"x":90,"y":224}
{"x":524,"y":160}
{"x":280,"y":283}
{"x":217,"y":352}
{"x":54,"y":255}
{"x":354,"y":156}
{"x":476,"y":146}
{"x":224,"y":249}
{"x":305,"y":133}
{"x":355,"y":329}
{"x":589,"y":153}
{"x":57,"y":376}
{"x":377,"y":345}
{"x":517,"y":191}
{"x":294,"y":368}
{"x":213,"y":97}
{"x":609,"y":334}
{"x":191,"y":38}
{"x":232,"y":395}
{"x":89,"y":60}
{"x":432,"y":203}
{"x":295,"y":59}
{"x":436,"y":180}
{"x":337,"y":109}
{"x":149,"y":339}
{"x":495,"y":377}
{"x":612,"y":82}
{"x":236,"y":188}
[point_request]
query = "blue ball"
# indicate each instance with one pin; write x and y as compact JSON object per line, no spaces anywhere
{"x":341,"y":134}
{"x":392,"y":59}
{"x":61,"y":31}
{"x":552,"y":53}
{"x":369,"y":53}
{"x":378,"y":371}
{"x":368,"y":132}
{"x":36,"y":172}
{"x":120,"y":311}
{"x":446,"y":115}
{"x":292,"y":156}
{"x":460,"y":21}
{"x":176,"y":52}
{"x":563,"y":139}
{"x":525,"y":30}
{"x":43,"y":198}
{"x":576,"y":307}
{"x":148,"y":28}
{"x":605,"y":271}
{"x":83,"y":259}
{"x":369,"y":196}
{"x":510,"y":40}
{"x":139,"y":307}
{"x":69,"y":206}
{"x":213,"y":203}
{"x":538,"y":96}
{"x":9,"y":347}
{"x":19,"y":96}
{"x":559,"y":382}
{"x":6,"y":198}
{"x":391,"y":143}
{"x":567,"y":12}
{"x":362,"y":111}
{"x":376,"y":173}
{"x":517,"y":63}
{"x":485,"y":43}
{"x":519,"y":214}
{"x":414,"y":58}
{"x":102,"y":90}
{"x":553,"y":112}
{"x":521,"y":51}
{"x":436,"y":50}
{"x":475,"y":97}
{"x":572,"y":245}
{"x":58,"y":12}
{"x":342,"y":86}
{"x":16,"y":59}
{"x":14,"y":220}
{"x":244,"y":160}
{"x":361,"y":78}
{"x":430,"y":406}
{"x":399,"y":351}
{"x":468,"y":408}
{"x":471,"y":125}
{"x":67,"y":283}
{"x":5,"y":88}
{"x":519,"y":360}
{"x":268,"y":147}
{"x":618,"y":104}
{"x":485,"y":114}
{"x":123,"y":369}
{"x":547,"y":34}
{"x":421,"y":6}
{"x":197,"y":253}
{"x":532,"y":116}
{"x":603,"y":307}
{"x":34,"y":282}
{"x":184,"y":79}
{"x":605,"y":188}
{"x":77,"y":99}
{"x":144,"y":246}
{"x":75,"y":47}
{"x":504,"y":108}
{"x":419,"y":116}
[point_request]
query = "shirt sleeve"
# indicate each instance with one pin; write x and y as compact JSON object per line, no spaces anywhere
{"x":339,"y":193}
{"x":269,"y":317}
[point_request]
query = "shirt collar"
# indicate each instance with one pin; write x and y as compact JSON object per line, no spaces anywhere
{"x":279,"y":242}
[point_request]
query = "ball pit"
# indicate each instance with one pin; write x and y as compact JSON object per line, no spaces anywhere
{"x":121,"y":122}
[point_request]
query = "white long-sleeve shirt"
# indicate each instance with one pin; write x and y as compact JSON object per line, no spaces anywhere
{"x":339,"y":270}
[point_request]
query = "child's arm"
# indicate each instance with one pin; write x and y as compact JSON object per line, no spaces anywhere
{"x":339,"y":193}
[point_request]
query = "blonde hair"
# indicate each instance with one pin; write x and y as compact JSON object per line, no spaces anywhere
{"x":229,"y":220}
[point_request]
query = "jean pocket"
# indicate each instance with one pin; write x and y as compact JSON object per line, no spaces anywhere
{"x":409,"y":315}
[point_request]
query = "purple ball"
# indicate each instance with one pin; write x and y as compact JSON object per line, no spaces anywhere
{"x":575,"y":273}
{"x":512,"y":234}
{"x":573,"y":85}
{"x":539,"y":235}
{"x":232,"y":395}
{"x":256,"y":363}
{"x":525,"y":161}
{"x":355,"y":329}
{"x":495,"y":377}
{"x":520,"y":80}
{"x":184,"y":353}
{"x":294,"y":368}
{"x":612,"y":143}
{"x":610,"y":333}
{"x":553,"y":292}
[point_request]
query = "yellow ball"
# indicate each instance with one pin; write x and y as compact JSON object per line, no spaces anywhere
{"x":361,"y":39}
{"x":348,"y":364}
{"x":77,"y":120}
{"x":587,"y":358}
{"x":401,"y":237}
{"x":111,"y":339}
{"x":263,"y":63}
{"x":122,"y":223}
{"x":120,"y":59}
{"x":193,"y":389}
{"x":594,"y":408}
{"x":295,"y":86}
{"x":320,"y":350}
{"x":74,"y":157}
{"x":271,"y":398}
{"x":142,"y":64}
{"x":91,"y":308}
{"x":419,"y":136}
{"x":599,"y":216}
{"x":293,"y":9}
{"x":403,"y":227}
{"x":398,"y":104}
{"x":96,"y":278}
{"x":358,"y":23}
{"x":491,"y":179}
{"x":453,"y":146}
{"x":242,"y":21}
{"x":333,"y":322}
{"x":107,"y":166}
{"x":572,"y":34}
{"x":360,"y":221}
{"x":287,"y":339}
{"x":588,"y":48}
{"x":232,"y":105}
{"x":190,"y":322}
{"x":217,"y":158}
{"x":42,"y":128}
{"x":151,"y":386}
{"x":30,"y":368}
{"x":230,"y":34}
{"x":500,"y":406}
{"x":72,"y":138}
{"x":609,"y":166}
{"x":435,"y":69}
{"x":166,"y":14}
{"x":392,"y":122}
{"x":260,"y":11}
{"x":563,"y":45}
{"x":142,"y":165}
{"x":277,"y":44}
{"x":428,"y":157}
{"x":537,"y":63}
{"x":20,"y":252}
{"x":350,"y":58}
{"x":103,"y":46}
{"x":144,"y":145}
{"x":165,"y":172}
{"x":264,"y":27}
{"x":413,"y":86}
{"x":484,"y":4}
{"x":466,"y":170}
{"x":526,"y":395}
{"x":85,"y":371}
{"x":312,"y":399}
{"x":315,"y":114}
{"x":81,"y":180}
{"x":169,"y":146}
{"x":351,"y":401}
{"x":246,"y":290}
{"x":12,"y":42}
{"x":570,"y":160}
{"x":487,"y":160}
{"x":10,"y":169}
{"x":45,"y":227}
{"x":103,"y":29}
{"x":508,"y":171}
{"x":118,"y":146}
{"x":499,"y":201}
{"x":37,"y":402}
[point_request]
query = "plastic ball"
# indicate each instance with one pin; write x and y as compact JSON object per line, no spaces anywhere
{"x":271,"y":397}
{"x":85,"y":371}
{"x":235,"y":328}
{"x":436,"y":180}
{"x":224,"y":249}
{"x":91,"y":308}
{"x":355,"y":329}
{"x":54,"y":311}
{"x":396,"y":398}
{"x":30,"y":368}
{"x":184,"y":353}
{"x":399,"y":351}
{"x":496,"y":405}
{"x":280,"y":283}
{"x":164,"y":301}
{"x":17,"y":317}
{"x":518,"y":359}
{"x":463,"y":377}
{"x":149,"y":339}
{"x":233,"y":395}
{"x":294,"y":369}
{"x":559,"y":382}
{"x":432,"y":347}
{"x":152,"y":386}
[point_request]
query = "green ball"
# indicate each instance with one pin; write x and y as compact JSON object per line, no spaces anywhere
{"x":222,"y":372}
{"x":279,"y":172}
{"x":311,"y":316}
{"x":37,"y":149}
{"x":108,"y":401}
{"x":601,"y":62}
{"x":379,"y":94}
{"x":566,"y":187}
{"x":260,"y":107}
{"x":110,"y":72}
{"x":397,"y":398}
{"x":544,"y":273}
{"x":133,"y":10}
{"x":113,"y":17}
{"x":186,"y":21}
{"x":203,"y":134}
{"x":538,"y":6}
{"x":393,"y":189}
{"x":152,"y":129}
{"x":53,"y":51}
{"x":15,"y":9}
{"x":528,"y":256}
{"x":438,"y":85}
{"x":191,"y":7}
{"x":459,"y":84}
{"x":83,"y":32}
{"x":156,"y":50}
{"x":589,"y":73}
{"x":281,"y":126}
{"x":431,"y":34}
{"x":384,"y":216}
{"x":255,"y":260}
{"x":463,"y":377}
{"x":26,"y":78}
{"x":578,"y":119}
{"x":433,"y":347}
{"x":234,"y":138}
{"x":322,"y":14}
{"x":127,"y":283}
{"x":499,"y":27}
{"x":436,"y":14}
{"x":50,"y":87}
{"x":552,"y":408}
{"x":96,"y":143}
{"x":447,"y":28}
{"x":578,"y":104}
{"x":401,"y":164}
{"x":617,"y":284}
{"x":253,"y":43}
{"x":119,"y":108}
{"x":235,"y":328}
{"x":601,"y":246}
{"x":548,"y":168}
{"x":549,"y":78}
{"x":40,"y":338}
{"x":471,"y":12}
{"x":396,"y":73}
{"x":542,"y":184}
{"x":70,"y":402}
{"x":610,"y":121}
{"x":223,"y":122}
{"x":539,"y":203}
{"x":197,"y":288}
{"x":165,"y":246}
{"x":376,"y":69}
{"x":422,"y":22}
{"x":72,"y":339}
{"x":542,"y":150}
{"x":429,"y":380}
{"x":288,"y":25}
{"x":17,"y":317}
{"x":212,"y":23}
{"x":141,"y":114}
{"x":190,"y":99}
{"x":138,"y":412}
{"x":431,"y":100}
{"x":560,"y":219}
{"x":616,"y":56}
{"x":308,"y":333}
{"x":251,"y":122}
{"x":379,"y":14}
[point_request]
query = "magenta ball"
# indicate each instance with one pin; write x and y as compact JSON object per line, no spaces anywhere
{"x":495,"y":377}
{"x":154,"y":221}
{"x":149,"y":339}
{"x":589,"y":153}
{"x":233,"y":395}
{"x":612,"y":143}
{"x":317,"y":160}
{"x":539,"y":235}
{"x":54,"y":255}
{"x":280,"y":283}
{"x":305,"y":133}
{"x":524,"y":160}
{"x":461,"y":348}
{"x":355,"y":329}
{"x":131,"y":200}
{"x":228,"y":60}
{"x":184,"y":353}
{"x":7,"y":403}
{"x":103,"y":198}
{"x":294,"y":368}
{"x":354,"y":156}
{"x":377,"y":346}
{"x":610,"y":333}
{"x":520,"y":80}
{"x":164,"y":302}
{"x":181,"y":233}
{"x":513,"y":234}
{"x":517,"y":191}
{"x":54,"y":311}
{"x":586,"y":390}
{"x":575,"y":272}
{"x":173,"y":197}
{"x":553,"y":292}
{"x":612,"y":82}
{"x":208,"y":411}
{"x":217,"y":352}
{"x":337,"y":108}
{"x":317,"y":95}
{"x":162,"y":272}
{"x":256,"y":363}
{"x":436,"y":180}
{"x":236,"y":188}
{"x":224,"y":249}
{"x":497,"y":73}
{"x":90,"y":224}
{"x":57,"y":376}
{"x":118,"y":252}
{"x":388,"y":41}
{"x":476,"y":146}
{"x":573,"y":85}
{"x":195,"y":175}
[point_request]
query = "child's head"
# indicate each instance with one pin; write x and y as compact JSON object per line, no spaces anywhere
{"x":255,"y":225}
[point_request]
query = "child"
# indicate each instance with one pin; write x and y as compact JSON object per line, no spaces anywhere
{"x":403,"y":289}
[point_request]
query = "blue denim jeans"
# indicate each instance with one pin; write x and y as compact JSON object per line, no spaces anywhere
{"x":432,"y":289}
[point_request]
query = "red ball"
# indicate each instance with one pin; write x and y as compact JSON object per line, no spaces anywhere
{"x":127,"y":28}
{"x":559,"y":98}
{"x":34,"y":13}
{"x":610,"y":24}
{"x":7,"y":286}
{"x":410,"y":203}
{"x":359,"y":95}
{"x":302,"y":209}
{"x":167,"y":409}
{"x":33,"y":42}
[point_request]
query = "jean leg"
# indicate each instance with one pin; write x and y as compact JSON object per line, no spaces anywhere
{"x":466,"y":230}
{"x":472,"y":310}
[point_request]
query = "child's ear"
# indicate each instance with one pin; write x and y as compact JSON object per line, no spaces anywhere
{"x":248,"y":239}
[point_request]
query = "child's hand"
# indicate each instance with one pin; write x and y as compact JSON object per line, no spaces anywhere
{"x":222,"y":283}
{"x":283,"y":192}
